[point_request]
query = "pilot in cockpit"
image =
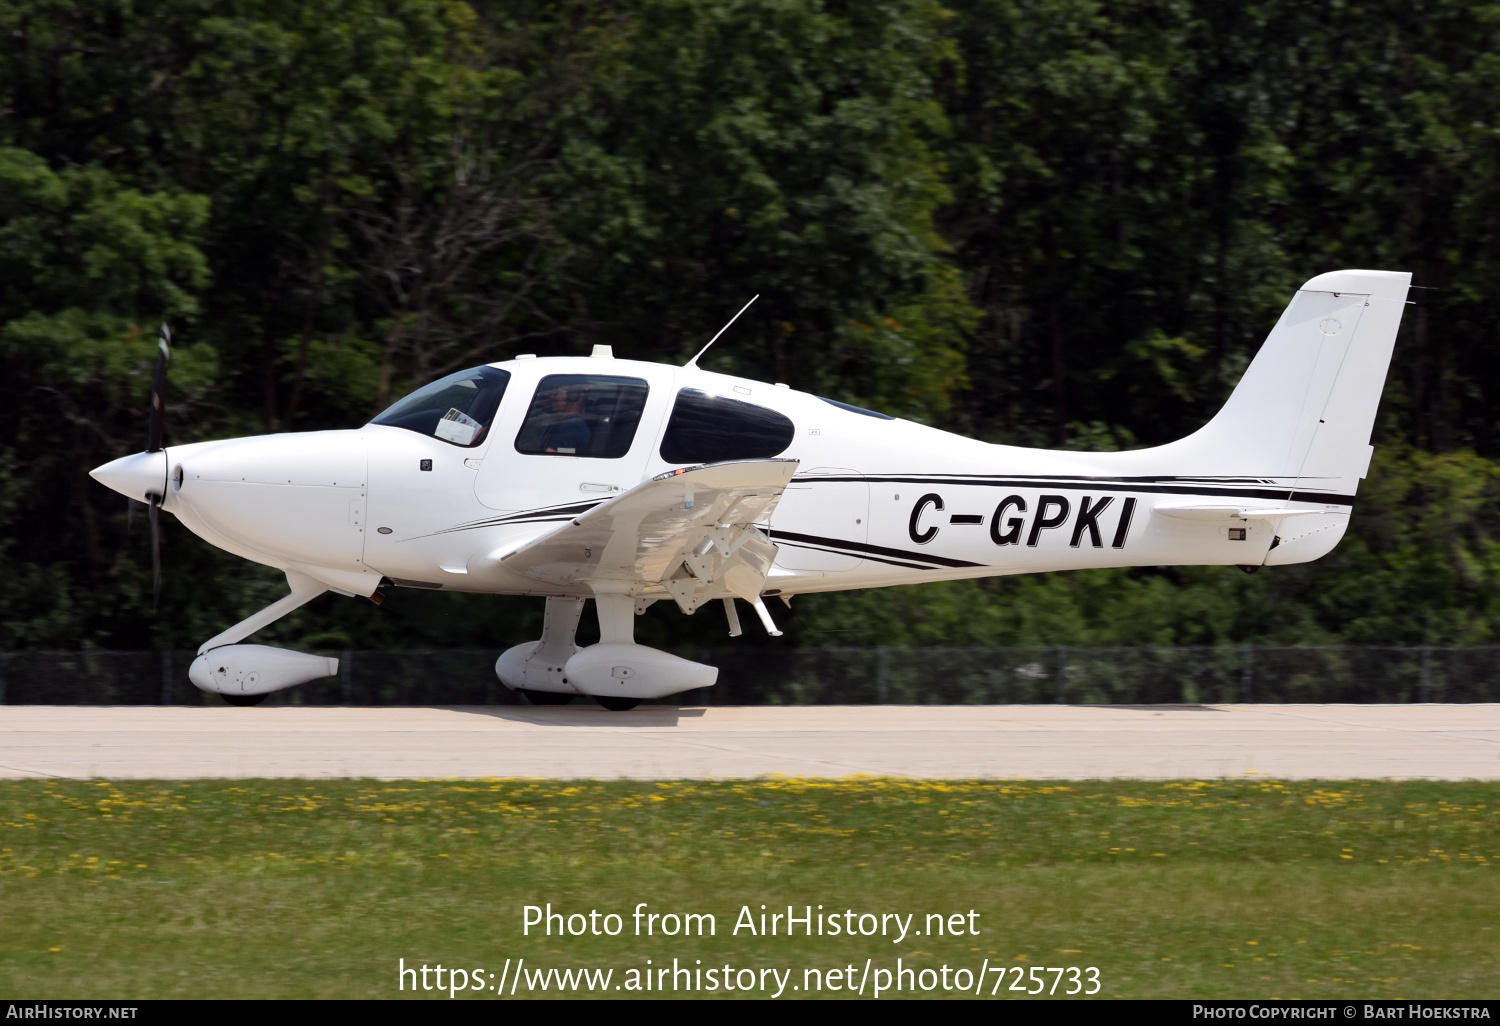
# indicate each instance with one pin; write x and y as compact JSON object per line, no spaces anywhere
{"x":569,"y":432}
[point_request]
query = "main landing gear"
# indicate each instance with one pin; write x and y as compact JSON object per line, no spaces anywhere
{"x":617,"y":673}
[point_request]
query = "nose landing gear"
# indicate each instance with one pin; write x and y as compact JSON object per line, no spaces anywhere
{"x":244,"y":674}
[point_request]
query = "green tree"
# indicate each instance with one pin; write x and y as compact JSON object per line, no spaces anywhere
{"x":89,"y":269}
{"x":1036,"y":221}
{"x":784,"y":148}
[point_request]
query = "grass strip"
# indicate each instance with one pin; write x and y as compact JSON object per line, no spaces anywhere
{"x":294,"y":888}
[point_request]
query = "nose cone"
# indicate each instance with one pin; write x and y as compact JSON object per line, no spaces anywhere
{"x":135,"y":475}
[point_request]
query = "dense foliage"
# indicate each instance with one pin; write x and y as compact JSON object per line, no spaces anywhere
{"x":1035,"y":221}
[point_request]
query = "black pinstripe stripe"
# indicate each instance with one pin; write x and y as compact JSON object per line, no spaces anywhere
{"x":851,"y":548}
{"x":1185,"y":487}
{"x":531,"y":516}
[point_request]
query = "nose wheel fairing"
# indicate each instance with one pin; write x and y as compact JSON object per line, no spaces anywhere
{"x":252,"y":671}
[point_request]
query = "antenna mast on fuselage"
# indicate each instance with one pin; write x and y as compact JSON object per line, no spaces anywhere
{"x":694,"y":361}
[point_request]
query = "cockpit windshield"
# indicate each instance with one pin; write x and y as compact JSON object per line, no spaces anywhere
{"x":457,"y":409}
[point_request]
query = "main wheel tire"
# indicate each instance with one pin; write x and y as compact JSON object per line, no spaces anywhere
{"x":547,"y":698}
{"x":617,"y":704}
{"x":243,"y":699}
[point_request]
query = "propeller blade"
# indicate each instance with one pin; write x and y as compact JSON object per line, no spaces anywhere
{"x":153,"y":444}
{"x":159,"y":391}
{"x":154,"y":514}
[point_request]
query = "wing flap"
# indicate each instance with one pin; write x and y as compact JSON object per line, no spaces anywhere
{"x":689,"y":534}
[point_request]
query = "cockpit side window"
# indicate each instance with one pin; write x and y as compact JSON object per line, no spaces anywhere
{"x":583,"y":415}
{"x":458,"y":409}
{"x":710,"y":429}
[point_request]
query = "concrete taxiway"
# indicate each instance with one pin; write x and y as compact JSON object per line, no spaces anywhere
{"x":1451,"y":742}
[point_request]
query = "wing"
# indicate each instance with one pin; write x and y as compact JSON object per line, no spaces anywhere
{"x":689,"y":534}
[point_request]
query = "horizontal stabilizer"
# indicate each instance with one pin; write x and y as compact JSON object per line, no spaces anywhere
{"x":1202,"y":512}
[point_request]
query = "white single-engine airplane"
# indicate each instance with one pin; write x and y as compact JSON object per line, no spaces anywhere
{"x":629,"y":483}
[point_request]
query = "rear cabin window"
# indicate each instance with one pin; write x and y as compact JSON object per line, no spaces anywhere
{"x":711,"y":429}
{"x":583,"y":415}
{"x":459,"y":409}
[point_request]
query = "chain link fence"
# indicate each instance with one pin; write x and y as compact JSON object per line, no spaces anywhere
{"x":831,"y":676}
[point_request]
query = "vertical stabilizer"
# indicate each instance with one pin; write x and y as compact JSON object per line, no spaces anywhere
{"x":1303,"y":412}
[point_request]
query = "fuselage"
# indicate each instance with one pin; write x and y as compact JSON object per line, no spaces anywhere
{"x":876,"y":501}
{"x":628,"y":483}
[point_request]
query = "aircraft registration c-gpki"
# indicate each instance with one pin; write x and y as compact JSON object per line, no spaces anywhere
{"x":629,"y":483}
